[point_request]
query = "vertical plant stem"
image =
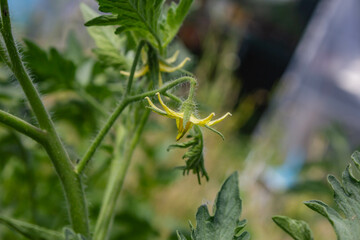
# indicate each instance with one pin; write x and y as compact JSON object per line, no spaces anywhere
{"x":111,"y":120}
{"x":70,"y":181}
{"x":119,"y":168}
{"x":133,"y":67}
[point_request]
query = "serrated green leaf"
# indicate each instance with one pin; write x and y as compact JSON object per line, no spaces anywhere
{"x":109,"y":46}
{"x":174,"y":19}
{"x":103,"y":20}
{"x":347,"y":198}
{"x":243,"y":236}
{"x":31,"y":231}
{"x":139,"y":16}
{"x":240,"y":226}
{"x":50,"y":65}
{"x":297,"y":229}
{"x":223,"y":225}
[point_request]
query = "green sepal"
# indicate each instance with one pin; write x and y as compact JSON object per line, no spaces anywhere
{"x":215,"y":131}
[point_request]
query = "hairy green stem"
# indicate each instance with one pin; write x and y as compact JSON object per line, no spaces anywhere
{"x":133,"y":67}
{"x":173,"y":97}
{"x":23,"y":127}
{"x":163,"y":89}
{"x":3,"y":56}
{"x":70,"y":181}
{"x":111,"y":120}
{"x":100,"y":137}
{"x":119,"y":168}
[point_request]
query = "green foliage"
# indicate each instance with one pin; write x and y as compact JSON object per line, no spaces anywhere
{"x":50,"y":64}
{"x":225,"y":224}
{"x":297,"y":229}
{"x":347,"y":197}
{"x":109,"y":47}
{"x":175,"y":17}
{"x":140,"y":16}
{"x":31,"y":231}
{"x":194,"y":157}
{"x":144,"y":18}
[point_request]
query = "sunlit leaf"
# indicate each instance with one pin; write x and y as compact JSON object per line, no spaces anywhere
{"x":139,"y":16}
{"x":175,"y":17}
{"x":109,"y":47}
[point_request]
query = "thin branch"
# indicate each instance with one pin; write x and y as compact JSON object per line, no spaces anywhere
{"x":22,"y":126}
{"x":163,"y":89}
{"x":101,"y":135}
{"x":133,"y":67}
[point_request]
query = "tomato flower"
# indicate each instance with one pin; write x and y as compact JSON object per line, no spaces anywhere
{"x":184,"y":127}
{"x":164,"y":66}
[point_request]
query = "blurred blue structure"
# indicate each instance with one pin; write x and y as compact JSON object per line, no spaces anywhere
{"x":321,"y":86}
{"x":21,"y":10}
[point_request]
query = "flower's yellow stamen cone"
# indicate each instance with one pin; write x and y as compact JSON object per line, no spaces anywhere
{"x":202,"y":122}
{"x":182,"y":131}
{"x":219,"y":119}
{"x":171,"y":113}
{"x":173,"y":58}
{"x":164,"y":68}
{"x":137,"y":74}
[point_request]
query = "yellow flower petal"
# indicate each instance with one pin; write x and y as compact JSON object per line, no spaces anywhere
{"x":173,"y":58}
{"x":218,"y":120}
{"x":171,"y":113}
{"x":201,"y":122}
{"x":139,"y":73}
{"x":155,"y":108}
{"x":182,"y":131}
{"x":165,"y":68}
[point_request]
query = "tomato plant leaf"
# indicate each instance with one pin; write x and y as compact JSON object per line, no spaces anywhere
{"x":175,"y":17}
{"x":297,"y":229}
{"x":109,"y":47}
{"x":31,"y":231}
{"x":139,"y":16}
{"x":144,"y":18}
{"x":225,"y":224}
{"x":50,"y":65}
{"x":346,"y":221}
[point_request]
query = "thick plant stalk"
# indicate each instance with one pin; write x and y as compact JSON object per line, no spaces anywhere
{"x":119,"y":168}
{"x":70,"y":181}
